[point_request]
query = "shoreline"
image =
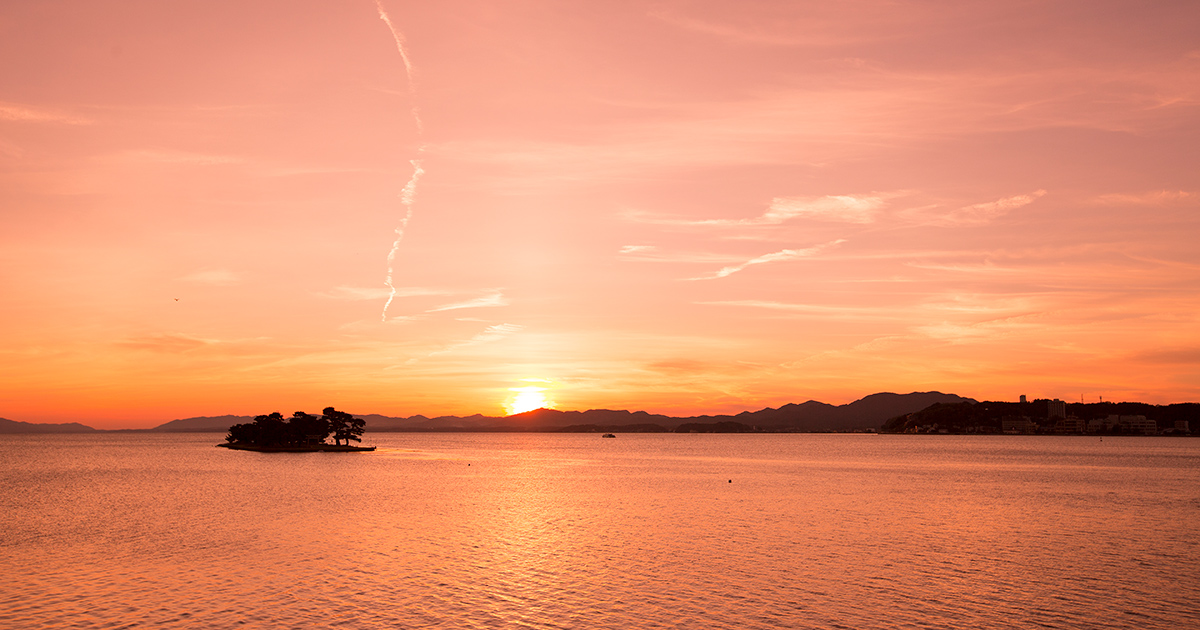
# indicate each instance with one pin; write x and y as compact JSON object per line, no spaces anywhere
{"x":316,"y":448}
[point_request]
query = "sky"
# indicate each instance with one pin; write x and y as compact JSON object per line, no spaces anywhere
{"x":681,"y":207}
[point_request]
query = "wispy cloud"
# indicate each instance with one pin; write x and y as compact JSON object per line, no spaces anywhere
{"x":25,"y":113}
{"x":1187,"y":355}
{"x":954,"y":332}
{"x":848,"y":118}
{"x":753,"y":35}
{"x":779,"y":256}
{"x":499,"y":331}
{"x":1152,"y":198}
{"x":378,"y":293}
{"x":835,"y":208}
{"x":976,"y":214}
{"x":488,"y":335}
{"x":634,"y":249}
{"x":985,"y":267}
{"x":164,"y":343}
{"x":492,"y":299}
{"x":654,"y":255}
{"x":786,"y":306}
{"x":215,"y":277}
{"x":844,"y":208}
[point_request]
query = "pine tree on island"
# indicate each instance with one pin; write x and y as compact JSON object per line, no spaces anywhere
{"x":344,"y":426}
{"x":302,"y":432}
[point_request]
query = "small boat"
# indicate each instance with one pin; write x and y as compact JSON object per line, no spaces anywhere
{"x":607,"y":435}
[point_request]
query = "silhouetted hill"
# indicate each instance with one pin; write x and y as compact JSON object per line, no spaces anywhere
{"x":812,"y":416}
{"x":377,"y":422}
{"x":614,"y":428}
{"x":807,"y":416}
{"x":555,"y":419}
{"x":202,"y":424}
{"x":868,"y":413}
{"x":16,"y":426}
{"x":714,"y":427}
{"x":877,"y":408}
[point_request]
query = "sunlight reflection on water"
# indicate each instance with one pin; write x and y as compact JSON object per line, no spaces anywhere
{"x":565,"y":531}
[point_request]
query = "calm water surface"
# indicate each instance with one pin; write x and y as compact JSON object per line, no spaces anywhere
{"x":574,"y":531}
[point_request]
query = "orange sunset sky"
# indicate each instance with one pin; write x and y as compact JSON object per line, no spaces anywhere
{"x":675,"y":206}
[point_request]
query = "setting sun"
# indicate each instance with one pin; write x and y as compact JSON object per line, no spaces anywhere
{"x":527,"y":398}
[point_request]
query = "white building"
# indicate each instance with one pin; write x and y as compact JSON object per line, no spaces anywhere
{"x":1127,"y":424}
{"x":1017,"y":424}
{"x":1138,"y":424}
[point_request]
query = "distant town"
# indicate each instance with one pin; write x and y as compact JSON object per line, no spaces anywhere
{"x":1049,"y":417}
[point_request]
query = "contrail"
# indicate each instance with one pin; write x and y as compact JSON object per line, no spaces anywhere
{"x":409,"y":71}
{"x":408,"y":194}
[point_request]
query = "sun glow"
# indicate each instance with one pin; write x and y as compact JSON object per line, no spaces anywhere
{"x":527,"y":398}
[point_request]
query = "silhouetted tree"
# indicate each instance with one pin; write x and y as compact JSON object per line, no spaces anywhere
{"x":272,"y":429}
{"x":246,"y":433}
{"x":308,"y":429}
{"x":344,"y":426}
{"x":302,"y":429}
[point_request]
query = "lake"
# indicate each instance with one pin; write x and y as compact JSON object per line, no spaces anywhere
{"x":505,"y":530}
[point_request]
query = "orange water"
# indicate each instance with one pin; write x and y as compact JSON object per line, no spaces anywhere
{"x":574,"y":531}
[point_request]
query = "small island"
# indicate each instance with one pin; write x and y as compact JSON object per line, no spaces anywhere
{"x":302,"y":433}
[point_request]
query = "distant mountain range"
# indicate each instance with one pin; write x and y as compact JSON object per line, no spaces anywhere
{"x":812,"y":416}
{"x":202,"y":424}
{"x":13,"y":426}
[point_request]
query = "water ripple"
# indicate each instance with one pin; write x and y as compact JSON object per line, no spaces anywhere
{"x":561,"y":531}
